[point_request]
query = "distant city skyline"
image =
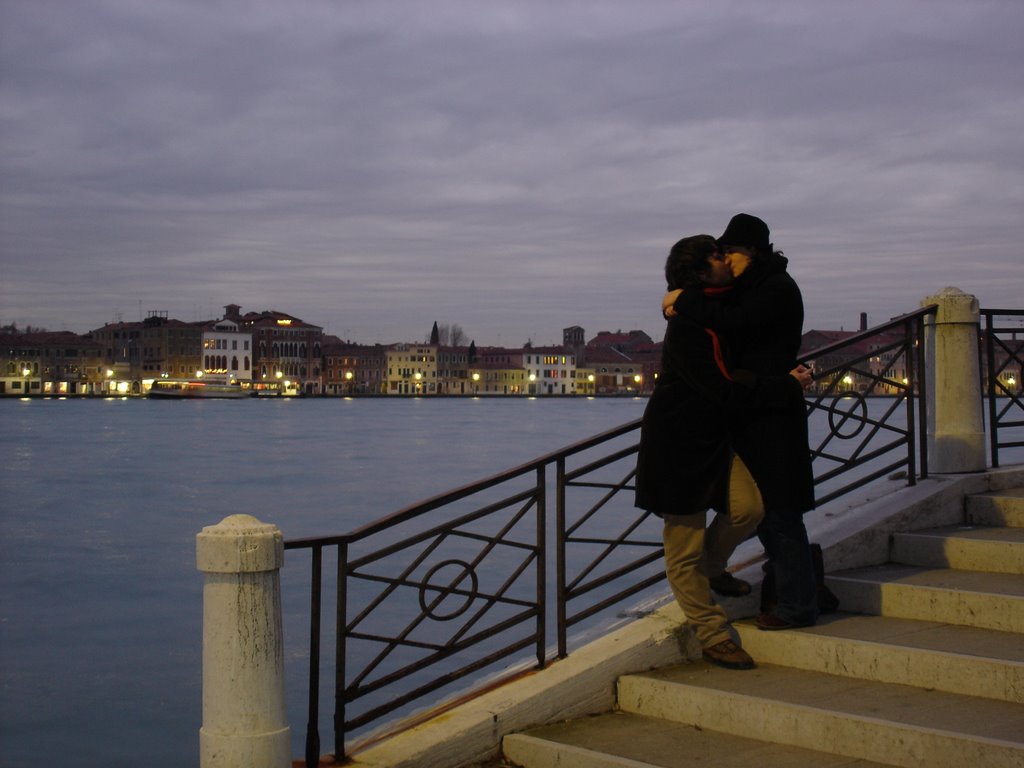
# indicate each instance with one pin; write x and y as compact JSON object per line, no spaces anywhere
{"x":512,"y":168}
{"x":555,"y":338}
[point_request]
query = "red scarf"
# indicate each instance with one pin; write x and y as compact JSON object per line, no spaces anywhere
{"x":715,"y":344}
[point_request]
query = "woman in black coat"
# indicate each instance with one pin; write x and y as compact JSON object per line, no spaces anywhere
{"x":763,"y":322}
{"x":685,"y":463}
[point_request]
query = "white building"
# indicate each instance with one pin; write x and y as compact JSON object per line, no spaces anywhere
{"x":227,"y":351}
{"x":550,"y":370}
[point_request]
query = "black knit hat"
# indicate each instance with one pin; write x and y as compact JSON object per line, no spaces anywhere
{"x":747,"y":231}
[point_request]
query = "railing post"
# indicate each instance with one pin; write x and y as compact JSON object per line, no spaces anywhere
{"x":561,"y":627}
{"x":956,"y":425}
{"x":244,"y":720}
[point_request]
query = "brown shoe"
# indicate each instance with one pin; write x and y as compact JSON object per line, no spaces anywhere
{"x":727,"y":584}
{"x":729,"y":655}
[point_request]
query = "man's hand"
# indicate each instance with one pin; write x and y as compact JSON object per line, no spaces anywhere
{"x":804,"y":375}
{"x":666,"y":303}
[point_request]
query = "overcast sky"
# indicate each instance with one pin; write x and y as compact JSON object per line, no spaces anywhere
{"x":510,"y":167}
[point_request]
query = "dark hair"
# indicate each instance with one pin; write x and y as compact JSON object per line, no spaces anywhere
{"x":688,"y":261}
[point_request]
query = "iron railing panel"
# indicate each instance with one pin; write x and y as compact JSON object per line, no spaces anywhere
{"x":882,"y":362}
{"x":1003,"y":367}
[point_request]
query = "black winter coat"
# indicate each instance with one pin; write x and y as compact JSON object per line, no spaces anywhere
{"x":684,"y":457}
{"x":763,"y":323}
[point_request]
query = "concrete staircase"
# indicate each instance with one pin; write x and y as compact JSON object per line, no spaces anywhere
{"x":925,"y":667}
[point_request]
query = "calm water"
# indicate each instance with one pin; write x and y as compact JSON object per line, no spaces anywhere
{"x":100,"y":601}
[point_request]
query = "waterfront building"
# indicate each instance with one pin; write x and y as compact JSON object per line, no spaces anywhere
{"x":626,"y":342}
{"x":137,"y":353}
{"x":575,"y":339}
{"x":623,"y":363}
{"x":501,"y":356}
{"x":586,"y":381}
{"x":874,"y":362}
{"x":50,"y":363}
{"x":453,"y":376}
{"x":550,"y":370}
{"x":287,"y":352}
{"x":411,"y":369}
{"x":371,"y":369}
{"x":227,"y":350}
{"x":494,"y":377}
{"x":353,"y":369}
{"x":614,"y":372}
{"x":646,"y":356}
{"x":339,"y":367}
{"x":500,"y":371}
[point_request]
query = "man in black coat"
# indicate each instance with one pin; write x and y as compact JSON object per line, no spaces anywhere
{"x":685,"y":463}
{"x":763,"y":323}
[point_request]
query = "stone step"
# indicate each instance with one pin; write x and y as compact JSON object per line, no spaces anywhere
{"x":967,"y":547}
{"x":886,"y":723}
{"x":968,"y":598}
{"x":945,"y":657}
{"x":625,"y":740}
{"x":996,"y":508}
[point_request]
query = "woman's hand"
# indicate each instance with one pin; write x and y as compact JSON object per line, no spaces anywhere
{"x":804,"y":375}
{"x":669,"y":299}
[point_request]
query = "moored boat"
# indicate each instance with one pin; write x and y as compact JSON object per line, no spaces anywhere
{"x":193,"y":388}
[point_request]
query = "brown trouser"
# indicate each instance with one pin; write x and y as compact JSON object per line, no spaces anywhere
{"x":693,"y":553}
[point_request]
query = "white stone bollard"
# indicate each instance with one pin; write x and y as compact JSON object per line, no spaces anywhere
{"x":956,"y":423}
{"x":244,"y":719}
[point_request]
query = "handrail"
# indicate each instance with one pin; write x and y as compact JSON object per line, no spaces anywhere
{"x":434,"y":502}
{"x":466,"y":570}
{"x":1002,"y":357}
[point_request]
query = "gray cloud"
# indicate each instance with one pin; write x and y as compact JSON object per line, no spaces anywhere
{"x":514,"y":168}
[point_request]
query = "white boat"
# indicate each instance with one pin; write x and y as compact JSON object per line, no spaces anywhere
{"x":274,"y":389}
{"x":189,"y":388}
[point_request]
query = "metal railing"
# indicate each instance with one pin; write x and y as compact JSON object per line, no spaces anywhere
{"x":450,"y":589}
{"x":421,"y":604}
{"x":885,"y":361}
{"x":1003,"y":368}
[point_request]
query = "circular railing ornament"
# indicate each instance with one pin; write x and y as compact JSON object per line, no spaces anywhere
{"x":464,"y":570}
